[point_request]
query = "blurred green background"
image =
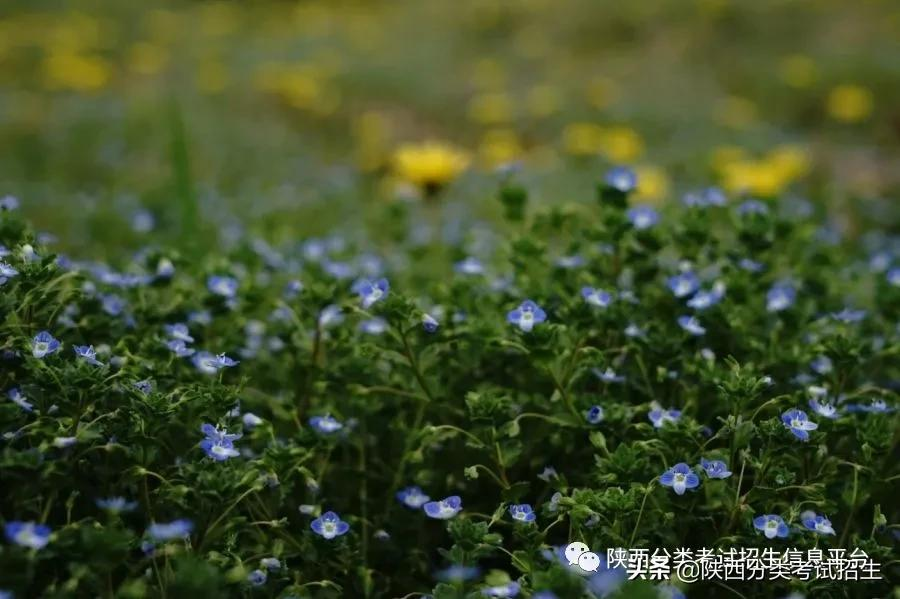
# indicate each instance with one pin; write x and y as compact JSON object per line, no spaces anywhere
{"x":289,"y":115}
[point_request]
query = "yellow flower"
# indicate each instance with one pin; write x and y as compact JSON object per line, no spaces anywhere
{"x":767,"y":176}
{"x":622,"y":144}
{"x":79,"y":72}
{"x":653,"y":183}
{"x":850,"y":103}
{"x":429,"y":165}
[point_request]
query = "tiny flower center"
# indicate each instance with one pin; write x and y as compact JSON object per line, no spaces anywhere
{"x":679,"y":478}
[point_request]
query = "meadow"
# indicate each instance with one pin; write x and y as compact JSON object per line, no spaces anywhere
{"x":401,"y":299}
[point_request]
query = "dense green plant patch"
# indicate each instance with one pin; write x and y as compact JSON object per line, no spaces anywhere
{"x":315,"y":419}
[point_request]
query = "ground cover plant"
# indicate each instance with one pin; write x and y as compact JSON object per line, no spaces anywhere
{"x":319,"y":419}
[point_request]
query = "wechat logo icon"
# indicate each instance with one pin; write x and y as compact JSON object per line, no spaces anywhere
{"x":579,"y":554}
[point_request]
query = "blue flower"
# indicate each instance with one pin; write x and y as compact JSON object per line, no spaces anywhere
{"x":6,"y":272}
{"x":251,"y":420}
{"x":43,"y":344}
{"x":510,"y":589}
{"x":822,"y":365}
{"x":257,"y":578}
{"x":797,"y":422}
{"x":270,"y":563}
{"x":691,"y":325}
{"x":179,"y":331}
{"x":325,"y":424}
{"x":659,"y":417}
{"x":750,"y":265}
{"x":222,"y":286}
{"x":893,"y":277}
{"x":706,"y":299}
{"x":145,"y":386}
{"x":9,"y":203}
{"x":412,"y":497}
{"x":217,"y":434}
{"x":15,"y":395}
{"x":569,"y":262}
{"x":457,"y":573}
{"x":772,"y":526}
{"x":594,"y":415}
{"x":167,"y":531}
{"x":64,"y":442}
{"x":683,"y":284}
{"x":824,"y":409}
{"x":522,"y":512}
{"x":112,"y":304}
{"x":715,"y":468}
{"x":208,"y":363}
{"x":849,"y":316}
{"x":219,"y":443}
{"x":370,"y":292}
{"x":178,"y":347}
{"x":443,"y":509}
{"x":116,"y":505}
{"x":608,"y":376}
{"x":526,"y":316}
{"x":816,"y":523}
{"x":752,"y":207}
{"x":330,"y":315}
{"x":711,"y":196}
{"x":643,"y":217}
{"x":27,"y":534}
{"x":596,"y":297}
{"x":429,"y":323}
{"x":373,"y":326}
{"x":621,"y":178}
{"x":680,"y":477}
{"x":87,"y":353}
{"x":780,"y":296}
{"x":469,"y":266}
{"x":329,"y":525}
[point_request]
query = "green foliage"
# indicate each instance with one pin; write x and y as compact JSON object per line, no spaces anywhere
{"x":476,"y":408}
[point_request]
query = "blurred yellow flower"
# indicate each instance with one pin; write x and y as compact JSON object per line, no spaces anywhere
{"x":622,"y":144}
{"x":429,"y":165}
{"x":850,"y":103}
{"x":77,"y":72}
{"x":766,"y":176}
{"x":299,"y":86}
{"x":653,"y":184}
{"x":791,"y":161}
{"x":618,"y":143}
{"x":798,"y":71}
{"x":499,"y":147}
{"x":491,"y":108}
